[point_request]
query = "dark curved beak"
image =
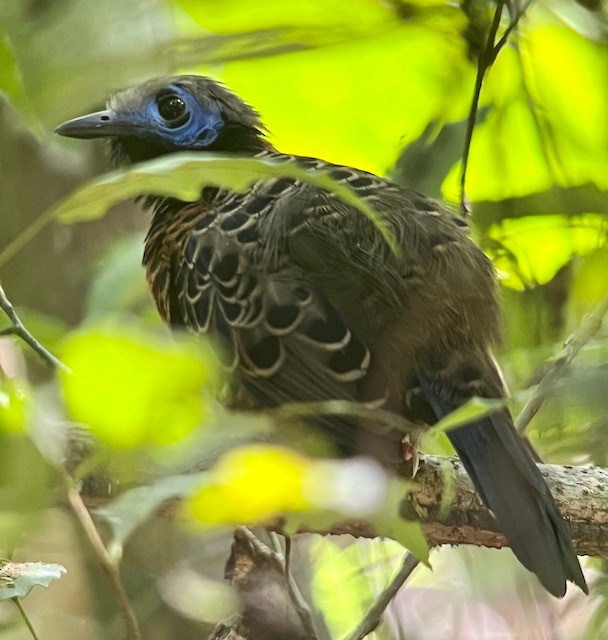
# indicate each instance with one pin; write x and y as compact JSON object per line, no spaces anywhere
{"x":100,"y":124}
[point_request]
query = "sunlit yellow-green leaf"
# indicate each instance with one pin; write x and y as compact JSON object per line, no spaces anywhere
{"x":589,"y":283}
{"x":251,"y":484}
{"x":409,"y":534}
{"x":436,"y":443}
{"x":315,"y":102}
{"x":566,"y":78}
{"x":234,"y":16}
{"x":133,"y":387}
{"x":473,"y":409}
{"x":532,"y":249}
{"x":297,"y":69}
{"x":547,"y":100}
{"x":15,"y":404}
{"x":497,"y":167}
{"x":339,"y":586}
{"x":348,"y":577}
{"x":256,"y":482}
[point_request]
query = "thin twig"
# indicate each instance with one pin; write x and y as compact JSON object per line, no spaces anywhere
{"x":374,"y":615}
{"x":514,"y":22}
{"x":88,"y":526}
{"x":486,"y":57}
{"x":25,"y":617}
{"x":17,"y":328}
{"x":298,"y":600}
{"x":589,"y":326}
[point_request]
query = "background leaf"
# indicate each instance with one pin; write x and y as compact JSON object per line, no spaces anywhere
{"x":17,"y":579}
{"x":135,"y":388}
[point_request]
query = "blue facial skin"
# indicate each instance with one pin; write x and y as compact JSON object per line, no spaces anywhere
{"x":196,"y":128}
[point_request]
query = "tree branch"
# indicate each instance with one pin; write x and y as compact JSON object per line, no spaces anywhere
{"x":109,"y":567}
{"x":444,"y":501}
{"x":271,"y":607}
{"x":450,"y":512}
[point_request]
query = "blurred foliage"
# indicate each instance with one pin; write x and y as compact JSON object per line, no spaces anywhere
{"x":14,"y":404}
{"x":236,"y":489}
{"x":341,"y":584}
{"x":382,"y":85}
{"x":133,"y":507}
{"x":165,"y":378}
{"x":24,"y":488}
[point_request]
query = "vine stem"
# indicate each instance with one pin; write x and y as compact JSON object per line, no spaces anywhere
{"x":486,"y":60}
{"x":25,"y":617}
{"x":109,"y":568}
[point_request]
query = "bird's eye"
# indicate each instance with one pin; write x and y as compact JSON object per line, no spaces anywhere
{"x":173,"y":110}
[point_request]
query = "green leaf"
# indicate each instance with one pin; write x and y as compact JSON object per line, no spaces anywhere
{"x":183,"y":175}
{"x":530,"y":250}
{"x":360,"y":114}
{"x":546,"y":124}
{"x":15,"y":404}
{"x":389,"y":523}
{"x":251,"y":484}
{"x":408,"y":534}
{"x":133,"y":507}
{"x":118,"y":285}
{"x":474,"y":409}
{"x":234,"y":16}
{"x":25,"y":487}
{"x":17,"y":579}
{"x":339,"y":586}
{"x":589,"y":283}
{"x":347,"y":579}
{"x":313,"y":99}
{"x":134,"y":387}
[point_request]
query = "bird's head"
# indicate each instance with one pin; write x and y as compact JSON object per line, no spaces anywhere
{"x":179,"y":113}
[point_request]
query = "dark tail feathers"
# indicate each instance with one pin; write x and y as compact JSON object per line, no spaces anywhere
{"x":513,"y":488}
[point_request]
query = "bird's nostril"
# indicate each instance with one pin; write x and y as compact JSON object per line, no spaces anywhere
{"x":105,"y":117}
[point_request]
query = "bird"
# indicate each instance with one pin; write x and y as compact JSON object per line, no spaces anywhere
{"x":311,"y":303}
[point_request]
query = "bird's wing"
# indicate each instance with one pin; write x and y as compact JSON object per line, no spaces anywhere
{"x":236,"y":280}
{"x":305,"y":292}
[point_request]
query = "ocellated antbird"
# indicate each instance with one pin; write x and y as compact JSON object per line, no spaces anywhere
{"x":311,"y":303}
